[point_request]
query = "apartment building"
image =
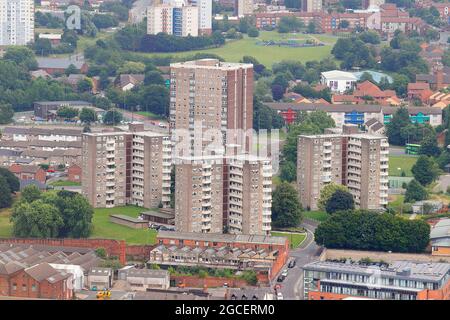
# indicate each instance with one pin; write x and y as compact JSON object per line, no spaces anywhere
{"x":204,"y":16}
{"x":126,"y":167}
{"x":223,"y":194}
{"x":312,"y":5}
{"x":106,"y":162}
{"x":213,"y":95}
{"x":244,"y":7}
{"x":150,"y":170}
{"x":180,"y":21}
{"x":400,"y":280}
{"x":199,"y":195}
{"x":16,"y":22}
{"x":358,"y":161}
{"x":248,"y":195}
{"x":160,"y":19}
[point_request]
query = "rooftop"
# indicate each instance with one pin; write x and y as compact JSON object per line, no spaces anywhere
{"x":339,"y":75}
{"x":211,"y":64}
{"x":219,"y":237}
{"x":398,"y":269}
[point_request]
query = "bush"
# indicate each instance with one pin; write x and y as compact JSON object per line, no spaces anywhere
{"x":101,"y":253}
{"x":253,"y":32}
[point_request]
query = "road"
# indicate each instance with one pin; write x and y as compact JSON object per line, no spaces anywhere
{"x":309,"y":251}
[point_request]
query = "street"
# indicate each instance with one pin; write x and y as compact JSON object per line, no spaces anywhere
{"x":309,"y":251}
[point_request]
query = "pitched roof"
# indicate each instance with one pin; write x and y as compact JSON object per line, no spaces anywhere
{"x":26,"y":168}
{"x":418,"y":86}
{"x":41,"y":271}
{"x":60,"y":63}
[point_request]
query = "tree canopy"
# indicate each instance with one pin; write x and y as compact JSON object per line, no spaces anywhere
{"x":365,"y":230}
{"x":286,"y":208}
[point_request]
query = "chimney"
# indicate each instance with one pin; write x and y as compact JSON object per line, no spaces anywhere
{"x":439,"y":76}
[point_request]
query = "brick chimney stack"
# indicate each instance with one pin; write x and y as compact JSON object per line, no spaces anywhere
{"x":439,"y":76}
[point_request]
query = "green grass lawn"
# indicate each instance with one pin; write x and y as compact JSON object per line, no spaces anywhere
{"x":149,"y":114}
{"x":5,"y":225}
{"x":295,"y":239}
{"x":103,"y":228}
{"x":65,"y":183}
{"x":234,"y":50}
{"x":405,"y":164}
{"x":316,"y":215}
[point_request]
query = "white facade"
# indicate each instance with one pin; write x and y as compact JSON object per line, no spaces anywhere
{"x":16,"y":22}
{"x":173,"y":19}
{"x":245,"y":7}
{"x":160,"y":19}
{"x":313,"y":5}
{"x":76,"y":271}
{"x":338,"y":81}
{"x":190,"y":21}
{"x":204,"y":14}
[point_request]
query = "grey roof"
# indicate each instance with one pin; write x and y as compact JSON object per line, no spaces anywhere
{"x":43,"y":131}
{"x":422,"y":271}
{"x":69,"y":103}
{"x":219,"y":237}
{"x":127,"y":218}
{"x":371,"y":122}
{"x":158,"y":214}
{"x":97,"y":271}
{"x":60,"y":63}
{"x":9,"y":152}
{"x":441,"y":231}
{"x":147,"y":273}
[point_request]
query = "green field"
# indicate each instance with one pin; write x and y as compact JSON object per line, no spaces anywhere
{"x":65,"y":183}
{"x":103,"y":228}
{"x":316,"y":215}
{"x":5,"y":225}
{"x":234,"y":50}
{"x":405,"y":164}
{"x":295,"y":239}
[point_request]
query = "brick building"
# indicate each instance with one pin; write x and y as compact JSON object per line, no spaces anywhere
{"x":265,"y":254}
{"x":28,"y":172}
{"x":74,"y":173}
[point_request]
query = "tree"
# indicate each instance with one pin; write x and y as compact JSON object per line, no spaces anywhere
{"x":326,"y":193}
{"x":286,"y":208}
{"x":76,"y":213}
{"x":311,"y":27}
{"x":154,"y":77}
{"x":277,"y":91}
{"x":12,"y":181}
{"x":340,"y":201}
{"x":35,"y":220}
{"x":103,"y":21}
{"x":6,"y":113}
{"x":155,"y":98}
{"x":5,"y":193}
{"x":415,"y":192}
{"x":288,"y":171}
{"x":72,"y":69}
{"x":429,"y":146}
{"x":31,"y":193}
{"x":42,"y":47}
{"x":253,"y":32}
{"x":88,"y":115}
{"x":399,"y":120}
{"x":365,"y":230}
{"x":67,"y":112}
{"x":425,"y":170}
{"x":344,"y":24}
{"x":85,"y":85}
{"x":112,"y":117}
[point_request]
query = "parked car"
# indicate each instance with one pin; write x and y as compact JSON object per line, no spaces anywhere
{"x":279,"y":296}
{"x":292,"y":263}
{"x":281,"y":278}
{"x":284,"y":273}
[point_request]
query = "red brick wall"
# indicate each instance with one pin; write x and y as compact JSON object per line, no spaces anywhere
{"x":210,"y":282}
{"x":74,"y":173}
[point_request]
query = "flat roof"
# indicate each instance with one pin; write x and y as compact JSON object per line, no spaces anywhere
{"x":219,"y":237}
{"x":127,"y":218}
{"x":424,"y":271}
{"x":158,"y":214}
